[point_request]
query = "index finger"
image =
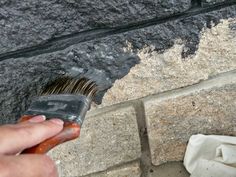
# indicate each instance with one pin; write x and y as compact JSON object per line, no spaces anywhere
{"x":15,"y":138}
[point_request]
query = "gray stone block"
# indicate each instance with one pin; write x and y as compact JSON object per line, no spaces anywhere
{"x":172,"y":120}
{"x":107,"y":139}
{"x":27,"y":23}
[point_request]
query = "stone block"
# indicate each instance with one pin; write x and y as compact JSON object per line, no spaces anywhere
{"x":128,"y":170}
{"x":154,"y":54}
{"x":172,"y":119}
{"x":107,"y":139}
{"x":27,"y":23}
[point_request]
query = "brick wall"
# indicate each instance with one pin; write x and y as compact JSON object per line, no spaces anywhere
{"x":170,"y":69}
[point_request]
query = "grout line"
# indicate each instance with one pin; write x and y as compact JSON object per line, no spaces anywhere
{"x":63,"y":42}
{"x":115,"y":167}
{"x":215,"y":81}
{"x":105,"y":109}
{"x":145,"y":161}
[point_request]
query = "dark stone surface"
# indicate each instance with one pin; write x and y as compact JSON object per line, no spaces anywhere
{"x":210,"y":2}
{"x":22,"y":78}
{"x":30,"y":22}
{"x":188,"y":30}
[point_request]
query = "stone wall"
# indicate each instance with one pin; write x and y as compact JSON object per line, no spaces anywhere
{"x":169,"y":72}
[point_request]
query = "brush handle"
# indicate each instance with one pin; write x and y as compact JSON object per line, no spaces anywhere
{"x":70,"y":131}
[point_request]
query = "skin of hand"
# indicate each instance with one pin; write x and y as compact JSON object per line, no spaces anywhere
{"x":15,"y":138}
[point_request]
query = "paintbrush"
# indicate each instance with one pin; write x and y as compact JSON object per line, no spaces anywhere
{"x":68,"y":99}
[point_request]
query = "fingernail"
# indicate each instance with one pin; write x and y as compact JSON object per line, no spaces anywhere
{"x":57,"y":121}
{"x":36,"y":119}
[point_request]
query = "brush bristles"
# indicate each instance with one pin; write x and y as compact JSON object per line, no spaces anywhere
{"x":68,"y":85}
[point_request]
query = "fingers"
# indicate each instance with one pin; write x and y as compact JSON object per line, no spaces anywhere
{"x":35,"y":119}
{"x":15,"y":138}
{"x":28,"y":166}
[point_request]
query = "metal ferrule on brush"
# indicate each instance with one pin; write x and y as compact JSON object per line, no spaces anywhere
{"x":66,"y":98}
{"x":67,"y":107}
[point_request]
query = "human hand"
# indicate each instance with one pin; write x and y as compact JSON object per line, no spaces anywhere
{"x":16,"y":138}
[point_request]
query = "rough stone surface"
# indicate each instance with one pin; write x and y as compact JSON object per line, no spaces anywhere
{"x":210,"y":2}
{"x":22,"y":78}
{"x":171,"y":121}
{"x":158,"y":72}
{"x":107,"y":139}
{"x":29,"y":22}
{"x":129,"y":170}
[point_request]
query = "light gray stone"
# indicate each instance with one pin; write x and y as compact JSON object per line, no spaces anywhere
{"x":172,"y":119}
{"x":107,"y":139}
{"x":128,"y":170}
{"x":27,"y":23}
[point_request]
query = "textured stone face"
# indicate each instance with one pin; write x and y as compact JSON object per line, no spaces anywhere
{"x":130,"y":170}
{"x":27,"y":23}
{"x":158,"y":72}
{"x":210,"y":2}
{"x":171,"y":121}
{"x":106,"y":140}
{"x":22,"y":78}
